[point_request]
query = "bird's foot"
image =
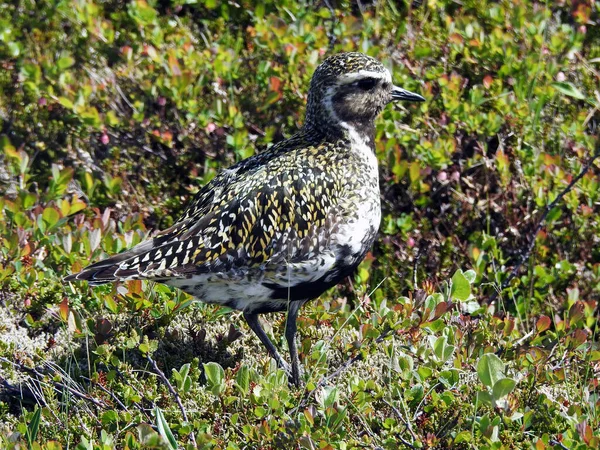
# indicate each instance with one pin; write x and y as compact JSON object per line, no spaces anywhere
{"x":295,"y":380}
{"x":298,"y":382}
{"x":286,"y":368}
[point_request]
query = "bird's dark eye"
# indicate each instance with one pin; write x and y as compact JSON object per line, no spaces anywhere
{"x":366,"y":84}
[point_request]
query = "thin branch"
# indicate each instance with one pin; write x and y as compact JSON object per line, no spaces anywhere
{"x":405,"y":422}
{"x":420,"y":252}
{"x":331,"y":33}
{"x":24,"y":394}
{"x":527,"y":253}
{"x":350,"y":361}
{"x":174,"y":393}
{"x":341,"y":369}
{"x":106,"y":391}
{"x":57,"y":385}
{"x":337,"y":372}
{"x":143,"y":398}
{"x":556,"y":443}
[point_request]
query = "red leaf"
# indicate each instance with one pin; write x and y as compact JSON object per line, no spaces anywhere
{"x":174,"y":66}
{"x":487,"y":81}
{"x":543,"y":324}
{"x":64,"y":309}
{"x":275,"y":84}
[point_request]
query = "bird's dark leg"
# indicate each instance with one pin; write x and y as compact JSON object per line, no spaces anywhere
{"x":255,"y":326}
{"x":290,"y":336}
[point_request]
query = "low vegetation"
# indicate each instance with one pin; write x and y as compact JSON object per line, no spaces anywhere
{"x":474,"y":321}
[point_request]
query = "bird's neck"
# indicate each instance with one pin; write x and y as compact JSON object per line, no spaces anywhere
{"x":324,"y":122}
{"x":354,"y":133}
{"x":360,"y":133}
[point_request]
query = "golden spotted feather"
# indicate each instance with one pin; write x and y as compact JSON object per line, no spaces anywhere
{"x":278,"y":206}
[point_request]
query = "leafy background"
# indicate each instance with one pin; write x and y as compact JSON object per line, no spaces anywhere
{"x":113,"y":113}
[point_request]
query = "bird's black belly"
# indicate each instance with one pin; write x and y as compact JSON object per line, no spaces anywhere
{"x":346,"y":264}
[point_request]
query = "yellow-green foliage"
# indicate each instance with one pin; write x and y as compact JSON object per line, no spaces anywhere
{"x":113,"y":113}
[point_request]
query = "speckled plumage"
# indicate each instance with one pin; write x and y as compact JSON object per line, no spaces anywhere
{"x":281,"y":227}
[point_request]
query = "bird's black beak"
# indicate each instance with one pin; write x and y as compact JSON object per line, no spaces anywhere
{"x":402,"y":94}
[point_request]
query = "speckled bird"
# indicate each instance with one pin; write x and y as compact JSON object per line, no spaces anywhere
{"x":281,"y":227}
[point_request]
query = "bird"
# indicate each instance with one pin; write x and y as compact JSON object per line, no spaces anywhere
{"x":281,"y":227}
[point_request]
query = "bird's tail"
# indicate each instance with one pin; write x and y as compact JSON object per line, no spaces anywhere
{"x":99,"y":273}
{"x":113,"y":268}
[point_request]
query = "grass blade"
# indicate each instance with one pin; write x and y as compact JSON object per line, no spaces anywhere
{"x":164,"y":429}
{"x":34,"y":426}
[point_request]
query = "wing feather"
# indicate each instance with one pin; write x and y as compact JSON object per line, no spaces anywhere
{"x":249,"y":216}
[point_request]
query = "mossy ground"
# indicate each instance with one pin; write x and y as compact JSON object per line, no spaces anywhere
{"x":112,"y":114}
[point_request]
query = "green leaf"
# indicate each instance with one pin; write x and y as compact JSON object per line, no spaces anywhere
{"x":14,"y":49}
{"x":554,"y":215}
{"x":29,"y":200}
{"x":503,"y":387}
{"x":109,"y":417}
{"x":260,"y":412}
{"x":110,"y":303}
{"x":84,"y":444}
{"x":148,"y":436}
{"x":484,"y":398}
{"x":34,"y":426}
{"x":147,"y":346}
{"x":164,"y":430}
{"x":242,"y":379}
{"x":7,"y":147}
{"x":484,"y":423}
{"x":185,"y":370}
{"x":463,"y":436}
{"x":50,"y":216}
{"x":461,"y":288}
{"x":442,"y":350}
{"x":90,"y":116}
{"x":470,"y":276}
{"x":329,"y":397}
{"x":433,"y":300}
{"x":449,"y":377}
{"x":31,"y":72}
{"x":424,"y":372}
{"x":64,"y":63}
{"x":259,"y":10}
{"x":490,"y":369}
{"x":215,"y":376}
{"x":66,"y":102}
{"x":182,"y":378}
{"x":568,"y":89}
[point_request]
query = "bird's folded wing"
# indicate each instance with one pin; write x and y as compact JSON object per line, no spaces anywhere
{"x":237,"y":223}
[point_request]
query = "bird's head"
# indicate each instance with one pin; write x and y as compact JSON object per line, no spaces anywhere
{"x":351,"y":88}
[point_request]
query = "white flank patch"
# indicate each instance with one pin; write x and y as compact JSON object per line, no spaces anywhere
{"x":224,"y":289}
